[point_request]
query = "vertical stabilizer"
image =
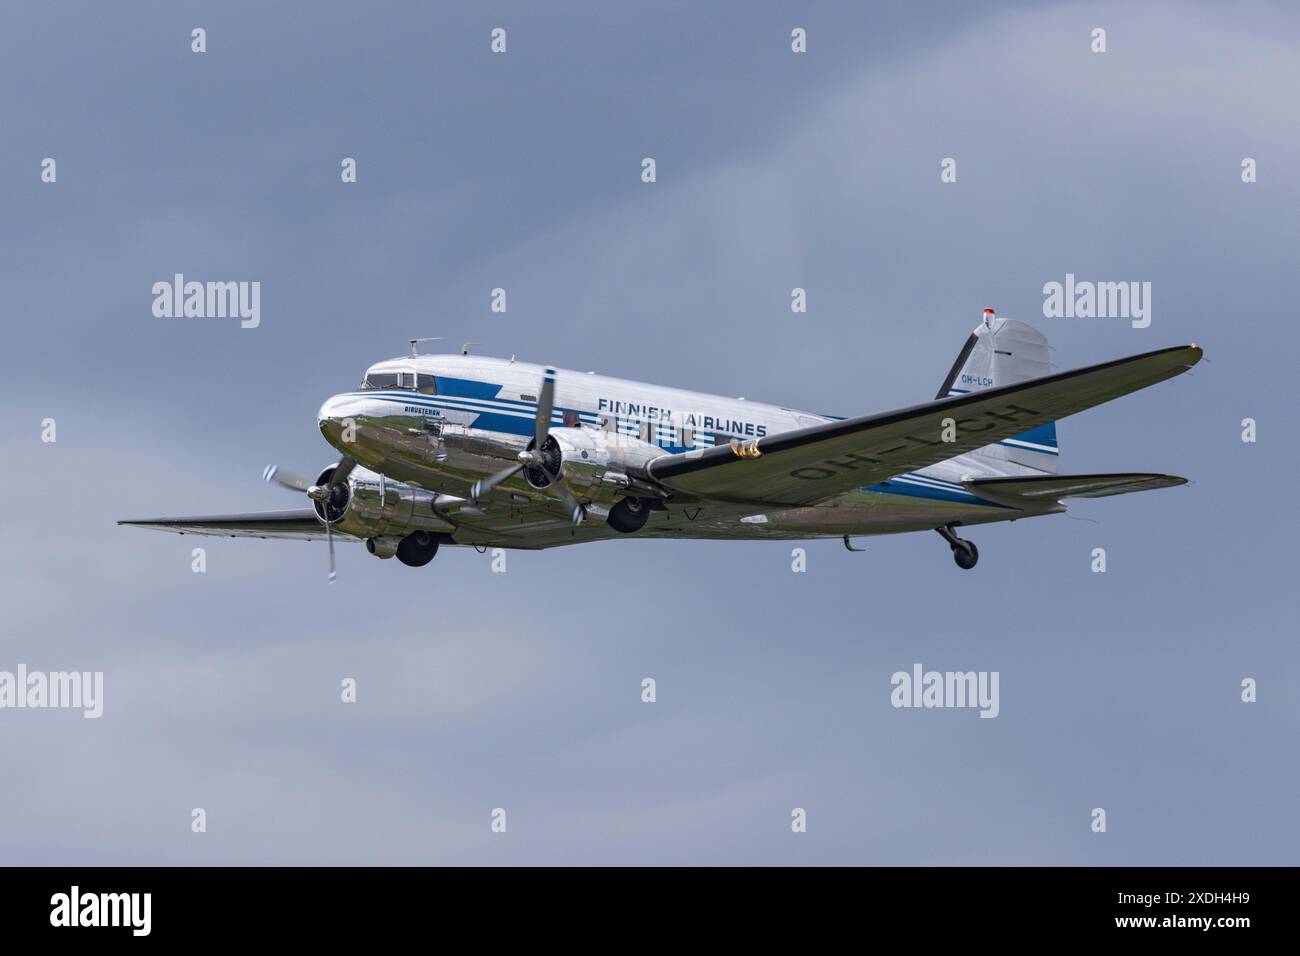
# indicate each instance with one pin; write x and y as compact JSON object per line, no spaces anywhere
{"x":1003,"y":352}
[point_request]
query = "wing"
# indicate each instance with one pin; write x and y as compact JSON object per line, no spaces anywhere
{"x":268,"y":524}
{"x":811,"y":464}
{"x":1035,"y":491}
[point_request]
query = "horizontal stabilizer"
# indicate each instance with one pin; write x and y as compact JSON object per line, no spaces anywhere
{"x":1034,"y":492}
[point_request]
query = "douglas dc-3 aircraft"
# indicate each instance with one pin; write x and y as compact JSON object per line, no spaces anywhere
{"x":468,"y":450}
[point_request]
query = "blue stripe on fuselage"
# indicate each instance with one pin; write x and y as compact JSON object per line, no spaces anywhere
{"x":468,"y":388}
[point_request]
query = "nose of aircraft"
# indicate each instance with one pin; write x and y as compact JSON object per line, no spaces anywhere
{"x":335,"y":418}
{"x":332,"y":411}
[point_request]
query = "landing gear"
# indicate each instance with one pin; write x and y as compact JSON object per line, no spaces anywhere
{"x":966,"y":555}
{"x":417,"y":549}
{"x":629,"y":515}
{"x":963,"y":552}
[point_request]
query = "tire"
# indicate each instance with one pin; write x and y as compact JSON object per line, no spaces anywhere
{"x":966,"y":556}
{"x":629,"y":515}
{"x":417,"y":549}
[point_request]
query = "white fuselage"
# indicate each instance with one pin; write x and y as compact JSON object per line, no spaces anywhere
{"x":407,"y":407}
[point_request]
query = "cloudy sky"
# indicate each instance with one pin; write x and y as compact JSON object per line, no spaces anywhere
{"x":522,"y":690}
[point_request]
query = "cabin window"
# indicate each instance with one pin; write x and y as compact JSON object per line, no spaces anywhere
{"x":571,"y":419}
{"x":428,"y":384}
{"x":406,"y":380}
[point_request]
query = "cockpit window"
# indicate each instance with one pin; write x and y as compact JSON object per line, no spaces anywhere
{"x":380,"y":380}
{"x":428,"y":384}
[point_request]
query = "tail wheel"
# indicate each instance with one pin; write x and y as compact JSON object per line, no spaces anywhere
{"x":629,"y":515}
{"x":417,"y":549}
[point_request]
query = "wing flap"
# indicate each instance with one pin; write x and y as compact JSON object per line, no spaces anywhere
{"x":301,"y":524}
{"x":811,"y":464}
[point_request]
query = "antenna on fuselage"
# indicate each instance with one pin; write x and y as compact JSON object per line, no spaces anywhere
{"x":415,"y":342}
{"x":464,"y":349}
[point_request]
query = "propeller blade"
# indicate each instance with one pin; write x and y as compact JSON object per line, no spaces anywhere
{"x":484,"y":485}
{"x":285,"y":479}
{"x":545,"y":405}
{"x":576,"y":511}
{"x":329,"y":540}
{"x":341,"y":471}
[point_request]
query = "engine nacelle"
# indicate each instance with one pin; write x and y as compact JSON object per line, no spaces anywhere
{"x":368,"y":505}
{"x":599,"y":465}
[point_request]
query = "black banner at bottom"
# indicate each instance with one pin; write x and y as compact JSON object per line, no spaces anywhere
{"x":334,"y":905}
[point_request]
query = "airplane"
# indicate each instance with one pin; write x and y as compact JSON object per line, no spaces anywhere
{"x":463,"y":449}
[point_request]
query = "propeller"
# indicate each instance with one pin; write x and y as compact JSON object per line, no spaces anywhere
{"x":325,"y":494}
{"x":534,"y":456}
{"x":285,"y":479}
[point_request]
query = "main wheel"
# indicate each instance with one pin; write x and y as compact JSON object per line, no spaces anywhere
{"x":417,"y":549}
{"x":966,"y":554}
{"x":629,"y":515}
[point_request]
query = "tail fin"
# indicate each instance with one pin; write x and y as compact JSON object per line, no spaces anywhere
{"x":1003,"y":352}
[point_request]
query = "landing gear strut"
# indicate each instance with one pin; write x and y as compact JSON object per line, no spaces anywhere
{"x":629,"y":515}
{"x":963,"y":552}
{"x":417,"y":549}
